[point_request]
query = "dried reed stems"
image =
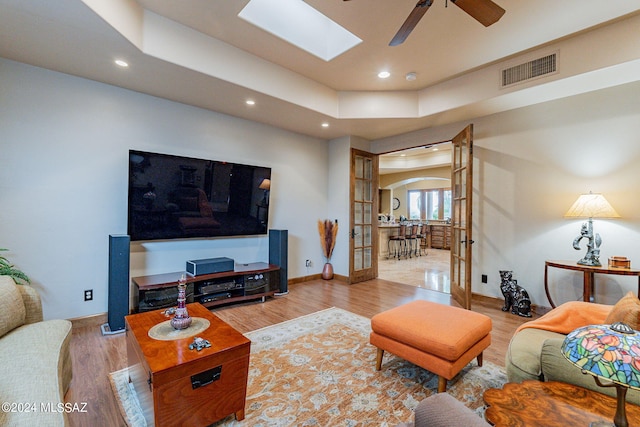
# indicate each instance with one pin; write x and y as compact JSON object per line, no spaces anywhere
{"x":328,"y":231}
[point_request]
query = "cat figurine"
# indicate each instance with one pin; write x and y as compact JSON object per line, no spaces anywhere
{"x":516,"y":297}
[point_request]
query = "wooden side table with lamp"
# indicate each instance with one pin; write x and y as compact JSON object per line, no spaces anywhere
{"x":590,"y":206}
{"x":589,"y":273}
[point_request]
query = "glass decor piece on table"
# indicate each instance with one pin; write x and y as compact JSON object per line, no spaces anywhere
{"x":181,"y":319}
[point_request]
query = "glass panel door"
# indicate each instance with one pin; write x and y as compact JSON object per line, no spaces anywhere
{"x":364,"y":224}
{"x":461,"y":193}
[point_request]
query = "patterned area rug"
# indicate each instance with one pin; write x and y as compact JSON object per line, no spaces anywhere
{"x":319,"y":370}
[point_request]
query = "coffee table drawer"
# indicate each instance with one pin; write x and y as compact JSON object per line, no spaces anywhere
{"x":178,"y":403}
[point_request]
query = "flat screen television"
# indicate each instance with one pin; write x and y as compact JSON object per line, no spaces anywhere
{"x":173,"y":197}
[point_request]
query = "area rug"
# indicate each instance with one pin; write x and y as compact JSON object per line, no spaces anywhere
{"x":319,"y":370}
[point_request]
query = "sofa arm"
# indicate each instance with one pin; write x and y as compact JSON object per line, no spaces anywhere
{"x":555,"y":367}
{"x":443,"y":410}
{"x":32,"y":303}
{"x":523,"y":358}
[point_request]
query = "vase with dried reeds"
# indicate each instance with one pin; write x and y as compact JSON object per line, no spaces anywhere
{"x":328,"y":230}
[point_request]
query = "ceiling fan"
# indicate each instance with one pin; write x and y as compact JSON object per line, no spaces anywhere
{"x":484,"y":11}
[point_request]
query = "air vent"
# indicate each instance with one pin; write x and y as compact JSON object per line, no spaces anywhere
{"x":529,"y":70}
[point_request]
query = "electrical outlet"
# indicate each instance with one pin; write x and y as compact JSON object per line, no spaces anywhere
{"x":484,"y":278}
{"x":307,"y":263}
{"x":88,"y":295}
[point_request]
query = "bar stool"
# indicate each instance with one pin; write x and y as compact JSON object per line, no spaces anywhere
{"x":411,"y":239}
{"x":399,"y":241}
{"x":422,"y":237}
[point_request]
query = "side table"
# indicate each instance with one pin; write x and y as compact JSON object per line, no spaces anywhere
{"x":589,"y":276}
{"x":177,"y":386}
{"x":536,"y":403}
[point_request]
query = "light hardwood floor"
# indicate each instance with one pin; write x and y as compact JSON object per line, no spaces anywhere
{"x":94,"y":355}
{"x":430,"y":270}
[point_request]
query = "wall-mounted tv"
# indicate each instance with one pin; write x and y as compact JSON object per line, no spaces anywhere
{"x":173,"y":197}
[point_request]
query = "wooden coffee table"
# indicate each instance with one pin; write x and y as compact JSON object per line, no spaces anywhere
{"x":179,"y":386}
{"x":536,"y":403}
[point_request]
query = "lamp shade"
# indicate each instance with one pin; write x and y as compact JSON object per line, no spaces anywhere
{"x":606,"y":352}
{"x":591,"y":206}
{"x":265,"y":184}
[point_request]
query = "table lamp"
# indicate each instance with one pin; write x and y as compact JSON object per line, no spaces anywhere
{"x":266,"y":186}
{"x":611,"y":353}
{"x":590,"y":206}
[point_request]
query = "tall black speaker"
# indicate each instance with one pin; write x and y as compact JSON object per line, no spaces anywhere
{"x":278,"y":255}
{"x":118,"y":284}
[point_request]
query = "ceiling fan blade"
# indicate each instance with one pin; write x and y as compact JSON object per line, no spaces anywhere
{"x":411,"y":21}
{"x":485,"y":12}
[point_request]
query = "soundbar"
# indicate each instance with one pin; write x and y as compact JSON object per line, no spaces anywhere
{"x":199,"y":267}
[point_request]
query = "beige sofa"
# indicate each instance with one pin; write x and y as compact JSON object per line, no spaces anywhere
{"x":35,"y":360}
{"x":534,"y":351}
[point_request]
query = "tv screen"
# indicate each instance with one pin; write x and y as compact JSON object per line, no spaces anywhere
{"x":173,"y":197}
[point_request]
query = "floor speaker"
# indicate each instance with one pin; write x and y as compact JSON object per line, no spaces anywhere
{"x":118,"y":284}
{"x":278,"y":255}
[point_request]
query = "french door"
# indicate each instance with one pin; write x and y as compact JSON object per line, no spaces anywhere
{"x":363,"y":244}
{"x":461,"y":209}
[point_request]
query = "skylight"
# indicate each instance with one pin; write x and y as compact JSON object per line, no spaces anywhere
{"x":301,"y":25}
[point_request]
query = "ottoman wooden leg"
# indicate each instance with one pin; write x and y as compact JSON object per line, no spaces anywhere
{"x":479,"y":359}
{"x":442,"y":384}
{"x":379,"y":359}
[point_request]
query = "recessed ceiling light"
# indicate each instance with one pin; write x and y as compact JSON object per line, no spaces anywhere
{"x":435,"y":148}
{"x":411,"y":76}
{"x":325,"y":125}
{"x":384,"y":74}
{"x":121,"y":63}
{"x":250,"y":102}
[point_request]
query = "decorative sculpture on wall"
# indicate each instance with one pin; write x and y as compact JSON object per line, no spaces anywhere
{"x":516,"y":297}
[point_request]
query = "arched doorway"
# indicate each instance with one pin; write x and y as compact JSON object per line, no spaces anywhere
{"x":415,"y":186}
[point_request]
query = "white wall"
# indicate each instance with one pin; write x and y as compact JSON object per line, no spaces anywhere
{"x":63,"y":184}
{"x":63,"y":181}
{"x":530,"y":165}
{"x":338,"y":196}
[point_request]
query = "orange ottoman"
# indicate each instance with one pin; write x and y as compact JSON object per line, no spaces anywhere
{"x":439,"y":338}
